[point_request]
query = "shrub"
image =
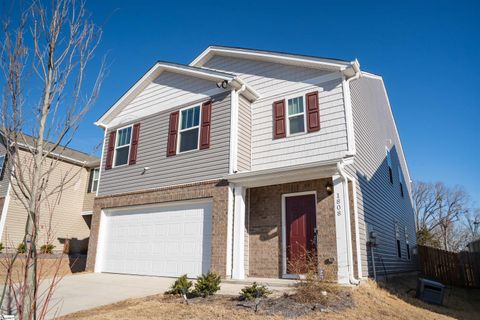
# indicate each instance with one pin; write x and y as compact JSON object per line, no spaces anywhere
{"x":22,"y":248}
{"x":1,"y":247}
{"x":47,"y":248}
{"x":254,"y":291}
{"x":181,"y":286}
{"x":207,"y":284}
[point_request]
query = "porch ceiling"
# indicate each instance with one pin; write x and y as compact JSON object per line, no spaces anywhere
{"x":283,"y":175}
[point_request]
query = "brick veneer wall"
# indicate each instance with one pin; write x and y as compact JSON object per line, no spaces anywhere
{"x":217,"y":190}
{"x":265,"y":227}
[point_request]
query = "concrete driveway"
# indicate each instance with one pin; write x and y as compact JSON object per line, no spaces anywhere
{"x":86,"y":291}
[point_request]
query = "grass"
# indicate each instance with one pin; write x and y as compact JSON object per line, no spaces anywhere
{"x":47,"y":267}
{"x":393,"y":300}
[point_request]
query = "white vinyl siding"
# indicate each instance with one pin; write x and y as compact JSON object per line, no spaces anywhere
{"x":167,"y":91}
{"x":188,"y":167}
{"x":378,"y":201}
{"x":274,"y":82}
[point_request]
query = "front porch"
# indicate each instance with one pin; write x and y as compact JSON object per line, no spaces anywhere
{"x":270,"y":222}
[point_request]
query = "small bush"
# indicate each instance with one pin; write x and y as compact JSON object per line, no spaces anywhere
{"x":1,"y":247}
{"x":181,"y":286}
{"x":47,"y":248}
{"x":207,"y":284}
{"x":22,"y":248}
{"x":254,"y":291}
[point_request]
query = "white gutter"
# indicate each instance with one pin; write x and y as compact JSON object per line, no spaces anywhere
{"x":348,"y":228}
{"x":348,"y":106}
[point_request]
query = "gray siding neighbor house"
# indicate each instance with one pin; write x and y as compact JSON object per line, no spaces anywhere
{"x":247,"y":162}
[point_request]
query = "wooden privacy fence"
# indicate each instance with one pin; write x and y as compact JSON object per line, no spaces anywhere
{"x":458,"y":269}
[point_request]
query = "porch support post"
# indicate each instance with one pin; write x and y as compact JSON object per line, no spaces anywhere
{"x":238,"y":267}
{"x":341,"y":229}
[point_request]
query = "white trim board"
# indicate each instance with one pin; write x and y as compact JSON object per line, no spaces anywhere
{"x":284,"y":227}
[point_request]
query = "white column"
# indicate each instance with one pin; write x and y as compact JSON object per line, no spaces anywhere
{"x":230,"y":230}
{"x":341,"y":229}
{"x":238,"y":271}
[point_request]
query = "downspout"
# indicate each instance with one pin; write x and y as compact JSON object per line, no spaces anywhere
{"x":348,"y":227}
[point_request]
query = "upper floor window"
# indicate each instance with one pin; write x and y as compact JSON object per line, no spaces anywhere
{"x":397,"y":238}
{"x":189,"y":129}
{"x":2,"y":164}
{"x":122,"y":146}
{"x":389,"y":163}
{"x":94,"y":177}
{"x":296,"y":115}
{"x":400,"y":180}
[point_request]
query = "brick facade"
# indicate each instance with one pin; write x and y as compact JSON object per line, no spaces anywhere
{"x":265,"y":227}
{"x":217,"y":190}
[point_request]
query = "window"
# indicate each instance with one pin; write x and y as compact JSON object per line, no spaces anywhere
{"x":407,"y":243}
{"x":397,"y":237}
{"x":296,"y":115}
{"x":389,"y":163}
{"x":189,"y":129}
{"x":94,"y":177}
{"x":2,"y":163}
{"x":122,"y":146}
{"x":400,"y":180}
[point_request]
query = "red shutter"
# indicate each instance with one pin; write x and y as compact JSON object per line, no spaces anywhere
{"x":110,"y":150}
{"x":313,"y":112}
{"x":205,"y":125}
{"x":279,"y":119}
{"x":134,"y":145}
{"x":172,"y":134}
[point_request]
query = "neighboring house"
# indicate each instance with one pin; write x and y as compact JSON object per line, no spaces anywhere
{"x":474,"y":246}
{"x":64,"y":216}
{"x":243,"y":161}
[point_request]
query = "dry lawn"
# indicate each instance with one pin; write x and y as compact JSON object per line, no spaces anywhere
{"x":47,"y":267}
{"x":371,"y":302}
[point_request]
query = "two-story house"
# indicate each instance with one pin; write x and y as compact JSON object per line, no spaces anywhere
{"x":64,"y":216}
{"x":243,"y":162}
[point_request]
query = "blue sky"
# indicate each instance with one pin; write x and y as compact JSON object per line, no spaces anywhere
{"x":427,"y":52}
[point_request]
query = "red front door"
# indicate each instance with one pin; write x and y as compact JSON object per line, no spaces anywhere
{"x":300,"y":231}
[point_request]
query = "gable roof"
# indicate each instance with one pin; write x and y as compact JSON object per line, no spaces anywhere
{"x":161,"y":66}
{"x":272,"y":56}
{"x":64,"y":153}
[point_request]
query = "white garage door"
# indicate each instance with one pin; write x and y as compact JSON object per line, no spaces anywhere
{"x":167,"y":240}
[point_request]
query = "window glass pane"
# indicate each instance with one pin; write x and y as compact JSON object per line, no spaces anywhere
{"x":190,"y":117}
{"x":124,"y":136}
{"x":94,"y":185}
{"x":189,"y":140}
{"x":2,"y":162}
{"x":96,"y":174}
{"x":295,"y":105}
{"x":122,"y":156}
{"x":297,"y":124}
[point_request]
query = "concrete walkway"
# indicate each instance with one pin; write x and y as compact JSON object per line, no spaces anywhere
{"x":86,"y":291}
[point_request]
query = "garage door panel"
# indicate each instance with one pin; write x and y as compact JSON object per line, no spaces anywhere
{"x":167,"y":241}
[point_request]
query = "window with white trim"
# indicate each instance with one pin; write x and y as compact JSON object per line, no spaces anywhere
{"x":2,"y":164}
{"x":94,"y":177}
{"x":189,"y":129}
{"x":122,"y":146}
{"x":397,"y":238}
{"x":407,"y":243}
{"x":400,"y":180}
{"x":389,"y":163}
{"x":296,"y":115}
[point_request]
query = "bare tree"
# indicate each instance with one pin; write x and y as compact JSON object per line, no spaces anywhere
{"x":43,"y":58}
{"x":438,"y":210}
